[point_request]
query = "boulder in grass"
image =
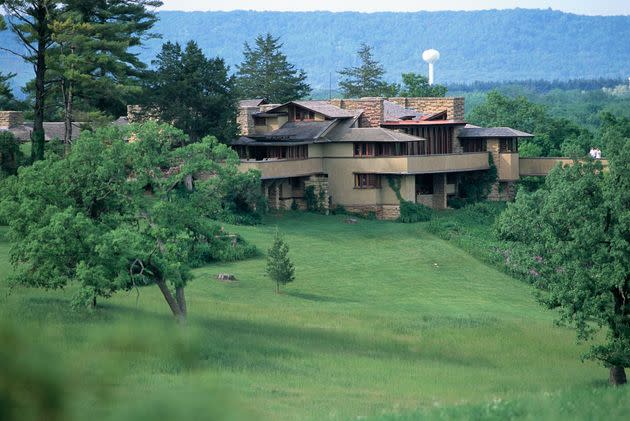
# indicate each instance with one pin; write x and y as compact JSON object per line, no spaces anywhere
{"x":226,"y":277}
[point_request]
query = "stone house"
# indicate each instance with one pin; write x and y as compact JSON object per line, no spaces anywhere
{"x":351,"y":150}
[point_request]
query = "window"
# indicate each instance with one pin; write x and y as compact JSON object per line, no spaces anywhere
{"x":424,"y":184}
{"x":301,"y":114}
{"x":260,"y":121}
{"x":367,"y":181}
{"x":297,"y":152}
{"x":474,"y":145}
{"x":509,"y":145}
{"x":364,"y":149}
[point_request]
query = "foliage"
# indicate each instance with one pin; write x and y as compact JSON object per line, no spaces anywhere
{"x":8,"y":102}
{"x":409,"y":211}
{"x":415,"y":85}
{"x":266,"y":73}
{"x":243,"y":202}
{"x":194,"y":93}
{"x":11,"y":157}
{"x":475,"y":186}
{"x":571,"y":239}
{"x":279,"y":266}
{"x":93,"y":63}
{"x":414,"y":212}
{"x":315,"y":199}
{"x":32,"y":21}
{"x":470,"y":228}
{"x":121,"y":211}
{"x":365,"y":80}
{"x":519,"y":113}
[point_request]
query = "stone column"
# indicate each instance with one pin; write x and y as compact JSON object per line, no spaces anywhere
{"x":439,"y":191}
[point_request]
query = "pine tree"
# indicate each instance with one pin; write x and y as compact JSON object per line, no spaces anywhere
{"x":7,"y":99}
{"x":196,"y":94}
{"x":279,"y":267}
{"x":91,"y":58}
{"x":31,"y":21}
{"x":266,"y":73}
{"x":366,"y":79}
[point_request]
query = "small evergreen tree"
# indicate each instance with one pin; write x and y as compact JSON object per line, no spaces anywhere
{"x":366,"y":79}
{"x":279,"y":267}
{"x":266,"y":73}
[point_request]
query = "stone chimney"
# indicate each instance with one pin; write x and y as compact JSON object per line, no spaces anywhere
{"x":11,"y":119}
{"x":372,"y":107}
{"x":454,"y":106}
{"x":245,"y":120}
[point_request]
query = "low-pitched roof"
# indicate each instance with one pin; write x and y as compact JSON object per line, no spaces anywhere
{"x":244,"y":140}
{"x":393,"y":111}
{"x":372,"y":134}
{"x":297,"y":131}
{"x":480,"y":132}
{"x":52,"y":130}
{"x":321,"y":107}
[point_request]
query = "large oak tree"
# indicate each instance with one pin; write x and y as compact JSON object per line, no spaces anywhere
{"x":572,"y":238}
{"x":127,"y":207}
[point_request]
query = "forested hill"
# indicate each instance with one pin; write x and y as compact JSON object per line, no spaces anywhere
{"x":491,"y":45}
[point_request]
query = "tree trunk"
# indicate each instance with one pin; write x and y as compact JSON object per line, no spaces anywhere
{"x":277,"y":287}
{"x":43,"y":35}
{"x":67,"y":137}
{"x":181,"y":300}
{"x":172,"y":303}
{"x":188,"y":182}
{"x":617,"y":376}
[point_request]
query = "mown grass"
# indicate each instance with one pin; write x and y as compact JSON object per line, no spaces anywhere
{"x":383,"y":320}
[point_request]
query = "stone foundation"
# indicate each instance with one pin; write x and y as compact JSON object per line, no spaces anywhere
{"x":384,"y":212}
{"x":502,"y":191}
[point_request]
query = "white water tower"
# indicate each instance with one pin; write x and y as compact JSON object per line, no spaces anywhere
{"x":431,"y":56}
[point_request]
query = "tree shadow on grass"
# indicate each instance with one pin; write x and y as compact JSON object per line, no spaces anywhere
{"x":318,"y":298}
{"x":252,"y":344}
{"x":261,"y":346}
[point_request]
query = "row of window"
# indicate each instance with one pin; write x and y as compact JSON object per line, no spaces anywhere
{"x":365,"y":149}
{"x":273,"y":152}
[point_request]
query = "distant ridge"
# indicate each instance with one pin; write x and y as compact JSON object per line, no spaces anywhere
{"x":491,"y":45}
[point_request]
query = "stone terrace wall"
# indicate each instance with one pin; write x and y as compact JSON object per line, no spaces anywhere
{"x":454,"y":106}
{"x":11,"y":119}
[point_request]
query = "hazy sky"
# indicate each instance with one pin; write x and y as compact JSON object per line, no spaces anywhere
{"x":587,"y":7}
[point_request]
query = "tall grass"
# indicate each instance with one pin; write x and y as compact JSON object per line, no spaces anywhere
{"x":383,"y":318}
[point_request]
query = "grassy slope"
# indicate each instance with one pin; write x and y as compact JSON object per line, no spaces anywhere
{"x":383,"y":318}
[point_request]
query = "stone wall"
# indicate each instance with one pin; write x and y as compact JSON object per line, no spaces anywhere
{"x":503,"y":191}
{"x":373,"y":109}
{"x":11,"y":119}
{"x":386,"y":212}
{"x":454,"y":106}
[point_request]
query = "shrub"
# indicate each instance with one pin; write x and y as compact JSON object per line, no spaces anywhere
{"x":414,"y":212}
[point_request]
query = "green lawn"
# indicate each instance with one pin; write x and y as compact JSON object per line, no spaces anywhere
{"x":383,"y":320}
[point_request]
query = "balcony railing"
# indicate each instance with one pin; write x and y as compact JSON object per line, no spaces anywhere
{"x":284,"y":168}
